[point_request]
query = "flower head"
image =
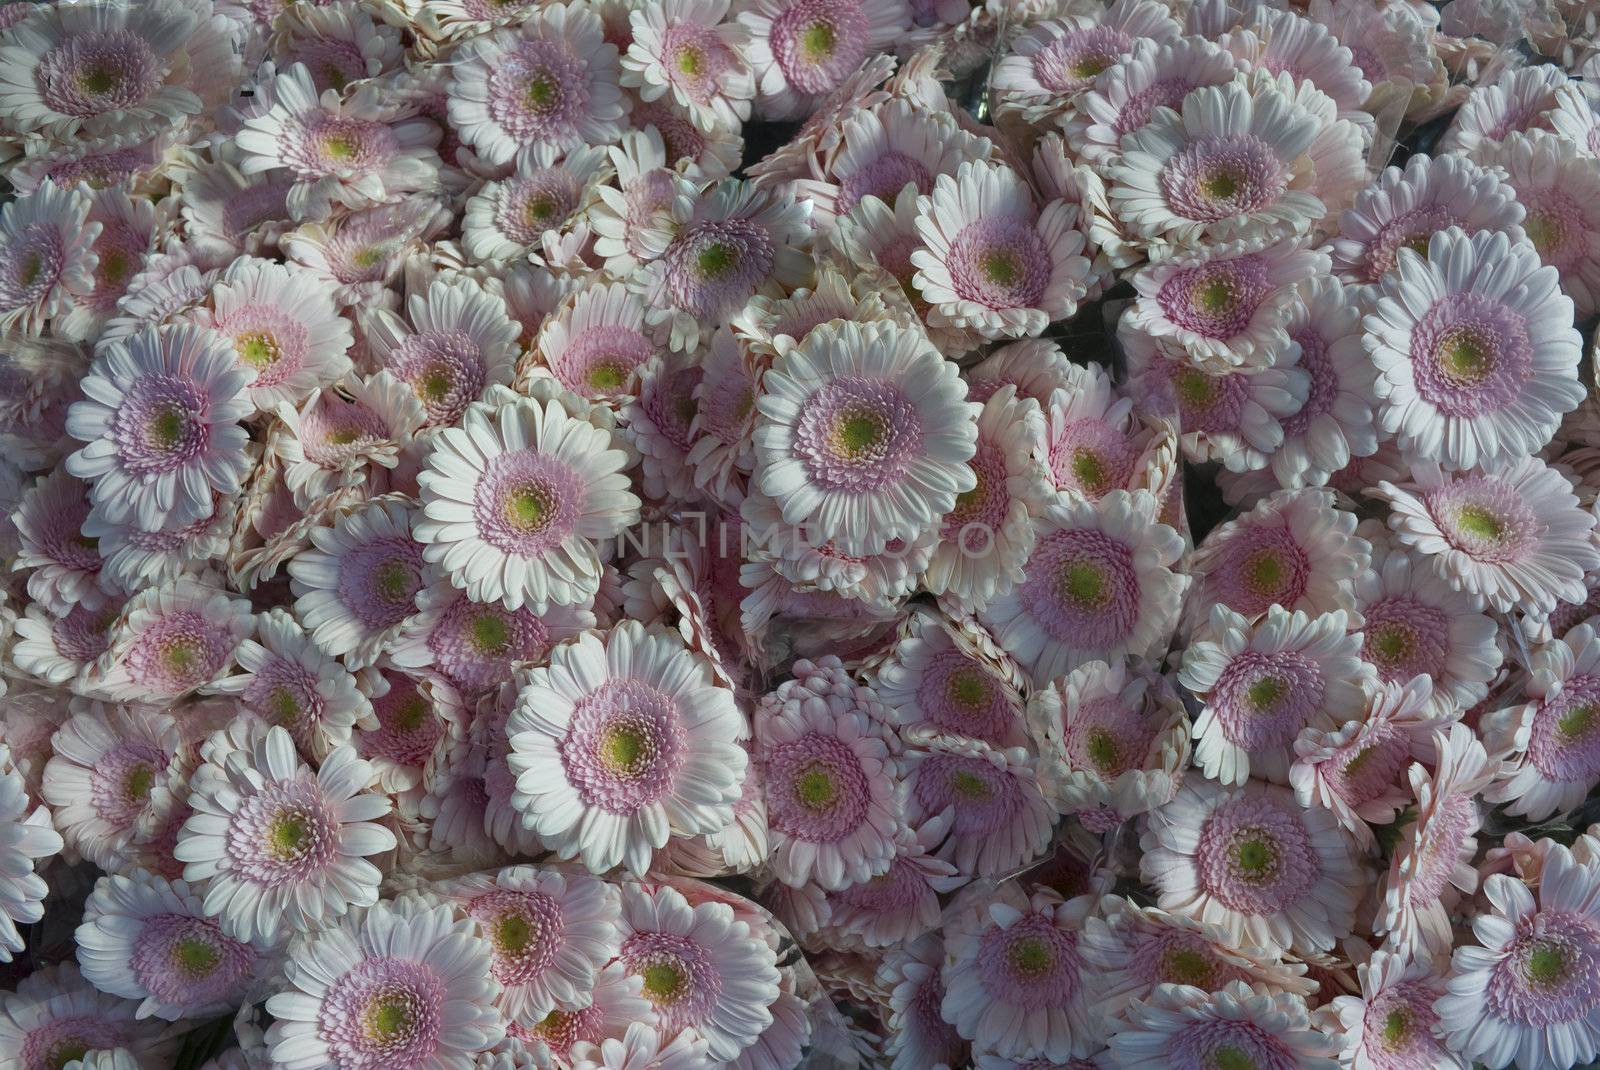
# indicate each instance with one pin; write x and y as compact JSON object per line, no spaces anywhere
{"x":458,"y":344}
{"x":1184,"y":1028}
{"x":29,"y":841}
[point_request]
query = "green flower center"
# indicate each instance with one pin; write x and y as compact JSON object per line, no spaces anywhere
{"x":435,"y":383}
{"x":1480,"y":523}
{"x":141,"y":779}
{"x":1089,"y":66}
{"x":624,"y":748}
{"x":1229,"y":1057}
{"x":167,"y":427}
{"x":1391,"y":642}
{"x":1187,"y":966}
{"x":513,"y":933}
{"x":1195,"y":389}
{"x":1464,"y":356}
{"x":1418,"y":242}
{"x":489,"y":633}
{"x":542,"y":94}
{"x":1221,"y":185}
{"x":969,"y":785}
{"x":1546,"y":964}
{"x":388,"y":1017}
{"x":98,"y":79}
{"x":1214,"y":297}
{"x":1266,"y":571}
{"x":967,"y":689}
{"x":258,"y":349}
{"x":181,"y":657}
{"x":282,"y":706}
{"x":815,"y":788}
{"x":541,"y":210}
{"x":1002,"y":267}
{"x":717,"y":260}
{"x":1103,"y":750}
{"x":1089,"y":470}
{"x":393,"y":581}
{"x":1030,"y":957}
{"x":664,"y":983}
{"x":529,"y":507}
{"x":343,"y":436}
{"x":1578,"y":722}
{"x":341,"y":146}
{"x":1545,"y":229}
{"x":1396,"y":1027}
{"x":1266,"y":692}
{"x":115,"y":266}
{"x":855,"y":432}
{"x":691,"y":61}
{"x":289,"y":835}
{"x":1083,"y":585}
{"x":608,"y":377}
{"x":1255,"y":858}
{"x":32,"y":267}
{"x":1354,"y":766}
{"x":411,"y":714}
{"x":64,"y":1052}
{"x":817,"y":41}
{"x":196,"y":958}
{"x":369,"y":257}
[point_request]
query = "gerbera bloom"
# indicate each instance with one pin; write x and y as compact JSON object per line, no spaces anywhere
{"x":1227,"y":305}
{"x":1354,"y":772}
{"x":550,"y":934}
{"x":918,"y":1035}
{"x":55,"y":1017}
{"x":1576,"y":116}
{"x":1228,"y":416}
{"x":55,"y":648}
{"x":148,"y":939}
{"x":339,"y":42}
{"x":1392,"y":1024}
{"x":171,"y":640}
{"x":1556,"y":763}
{"x":630,"y":215}
{"x":1183,"y":1028}
{"x":284,"y":327}
{"x":998,"y":820}
{"x":642,"y":1048}
{"x":596,"y":340}
{"x":360,"y":253}
{"x":459,"y":342}
{"x":286,"y":680}
{"x":1015,"y":982}
{"x":902,"y":903}
{"x":1432,"y":863}
{"x":475,"y":645}
{"x":991,"y":260}
{"x":1527,"y":996}
{"x":127,"y":235}
{"x":63,"y":565}
{"x":550,"y":83}
{"x":1415,"y":623}
{"x":27,"y":842}
{"x":160,"y":419}
{"x":358,"y":581}
{"x":118,"y":159}
{"x":622,"y":741}
{"x":1224,"y":166}
{"x":365,"y":424}
{"x":1510,"y":535}
{"x":1475,"y":351}
{"x":723,"y":429}
{"x":540,"y":212}
{"x":607,"y":1011}
{"x":1124,"y":97}
{"x":515,"y":500}
{"x":275,"y":847}
{"x":1111,"y":737}
{"x":1293,"y":549}
{"x":1099,"y":584}
{"x":1561,"y":191}
{"x":864,"y":435}
{"x":1520,"y":99}
{"x":225,"y":213}
{"x":353,"y":153}
{"x":832,"y":806}
{"x":415,"y":722}
{"x":881,"y":577}
{"x":684,"y":47}
{"x":47,"y":256}
{"x":703,"y":969}
{"x":800,"y":51}
{"x":1252,"y":861}
{"x":1059,"y":58}
{"x":949,"y":676}
{"x":1263,"y":684}
{"x":402,"y":984}
{"x":659,"y":423}
{"x":115,"y":770}
{"x":717,"y":248}
{"x":113,"y":66}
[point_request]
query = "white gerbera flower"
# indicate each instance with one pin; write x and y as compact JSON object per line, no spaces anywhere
{"x":1253,"y":861}
{"x":275,"y":847}
{"x":540,"y":212}
{"x":947,"y":676}
{"x":686,"y":48}
{"x":1552,"y":734}
{"x":63,"y":565}
{"x":160,"y":419}
{"x":992,"y":261}
{"x":27,"y":841}
{"x":864,"y":435}
{"x":128,"y":233}
{"x":171,"y":640}
{"x":1336,"y":423}
{"x":146,"y":938}
{"x":1524,"y":98}
{"x":1476,"y":353}
{"x":1576,"y":116}
{"x":1263,"y":685}
{"x":338,"y":436}
{"x":55,"y":1015}
{"x":284,"y":327}
{"x":621,"y":742}
{"x":1057,"y":59}
{"x":400,"y":985}
{"x":596,"y":340}
{"x":998,"y":820}
{"x":641,"y":1048}
{"x":1099,"y":584}
{"x":802,"y":52}
{"x":549,"y":83}
{"x":1238,"y":1024}
{"x":459,"y":343}
{"x":703,"y":969}
{"x":514,"y":501}
{"x":1511,"y":535}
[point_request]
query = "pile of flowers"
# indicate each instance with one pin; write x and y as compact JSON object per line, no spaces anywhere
{"x":671,"y":534}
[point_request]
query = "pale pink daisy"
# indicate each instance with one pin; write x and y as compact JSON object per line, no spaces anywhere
{"x":703,"y":968}
{"x":1561,"y":191}
{"x":1110,"y":738}
{"x":455,"y":344}
{"x":145,"y":938}
{"x":402,"y":985}
{"x":358,"y":581}
{"x":1431,"y":866}
{"x":1392,"y":45}
{"x":1251,"y":860}
{"x":226,"y":213}
{"x":548,"y":83}
{"x":998,"y":821}
{"x":1392,"y":1024}
{"x":918,"y":1036}
{"x":1015,"y":978}
{"x":285,"y":329}
{"x":659,"y":423}
{"x":55,"y":648}
{"x":1576,"y":116}
{"x":1055,"y":60}
{"x":350,"y":152}
{"x":340,"y":43}
{"x":992,"y":261}
{"x":901,"y":904}
{"x":160,"y":422}
{"x":414,"y":723}
{"x":115,"y":770}
{"x":133,"y":559}
{"x":800,"y":51}
{"x":631,"y":215}
{"x":27,"y":842}
{"x":881,"y":577}
{"x":1099,"y":584}
{"x":539,"y":212}
{"x":642,"y":1048}
{"x":864,"y":435}
{"x":1263,"y":684}
{"x":170,"y":640}
{"x":1184,"y":1028}
{"x":126,"y":158}
{"x":821,"y":752}
{"x":596,"y":340}
{"x":1227,"y":305}
{"x":948,"y":675}
{"x":275,"y":847}
{"x":128,"y":230}
{"x":688,"y":48}
{"x":63,"y":565}
{"x":1521,"y":99}
{"x":622,"y":741}
{"x":340,"y":436}
{"x":360,"y":253}
{"x":606,"y":1011}
{"x":1475,"y":351}
{"x":723,"y":429}
{"x":1511,"y":535}
{"x":1554,"y":766}
{"x":550,"y":934}
{"x":55,"y":1016}
{"x":1527,"y":996}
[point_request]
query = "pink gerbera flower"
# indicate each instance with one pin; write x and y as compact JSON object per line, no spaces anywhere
{"x":1059,"y":58}
{"x":1392,"y":1024}
{"x":1184,"y":1028}
{"x":1521,"y":99}
{"x":801,"y":50}
{"x":948,"y":676}
{"x":127,"y":235}
{"x":1124,"y":97}
{"x":63,"y":565}
{"x":596,"y":340}
{"x":998,"y":820}
{"x":1557,"y":762}
{"x":173,"y":639}
{"x":685,"y":48}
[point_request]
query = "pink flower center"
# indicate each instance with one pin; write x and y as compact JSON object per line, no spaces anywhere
{"x":162,"y":424}
{"x":1471,"y":355}
{"x":338,"y":433}
{"x":1400,"y":1023}
{"x":524,"y":929}
{"x":1223,"y":176}
{"x":714,"y":266}
{"x":530,"y":205}
{"x":1262,"y":565}
{"x":31,"y":266}
{"x":858,"y":435}
{"x":680,"y":979}
{"x":1256,"y":857}
{"x":83,"y":634}
{"x":1070,"y":62}
{"x":1445,"y":837}
{"x":696,"y":58}
{"x":1263,"y":699}
{"x":1082,"y":588}
{"x":601,"y":361}
{"x":99,"y":72}
{"x":985,"y":798}
{"x":1208,"y":404}
{"x":285,"y":834}
{"x":409,"y":727}
{"x":1092,"y":457}
{"x":123,"y":779}
{"x":1558,"y":227}
{"x":284,"y":692}
{"x":1228,"y":1044}
{"x":383,"y":1014}
{"x":1405,"y":637}
{"x":187,"y":962}
{"x":57,"y":1041}
{"x":1000,"y":263}
{"x":1367,"y":767}
{"x":475,"y":644}
{"x":1032,"y":964}
{"x":884,"y":178}
{"x":1565,"y":744}
{"x":379,"y":580}
{"x":539,"y":92}
{"x":1217,"y":299}
{"x":528,"y":503}
{"x":1485,"y":518}
{"x":1180,"y":957}
{"x":270,"y":341}
{"x":1108,"y":738}
{"x":1324,"y":382}
{"x":962,"y":695}
{"x":624,"y":746}
{"x":1550,"y":973}
{"x":817,"y":790}
{"x":1411,"y":229}
{"x":980,"y":513}
{"x":177,"y":652}
{"x":445,"y":369}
